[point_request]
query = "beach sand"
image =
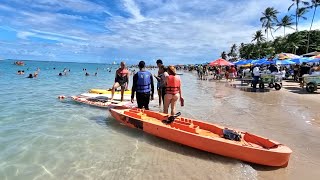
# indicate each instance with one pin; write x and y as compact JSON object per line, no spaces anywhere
{"x":287,"y":116}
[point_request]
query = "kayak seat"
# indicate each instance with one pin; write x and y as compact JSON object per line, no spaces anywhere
{"x":183,"y":126}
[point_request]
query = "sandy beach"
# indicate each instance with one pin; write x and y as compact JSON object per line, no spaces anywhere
{"x":288,"y":116}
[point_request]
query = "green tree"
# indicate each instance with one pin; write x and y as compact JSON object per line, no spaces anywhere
{"x":223,"y":55}
{"x":314,"y":5}
{"x":298,"y":9}
{"x":258,"y":37}
{"x":295,"y":41}
{"x":233,"y":51}
{"x":269,"y":20}
{"x":285,"y":22}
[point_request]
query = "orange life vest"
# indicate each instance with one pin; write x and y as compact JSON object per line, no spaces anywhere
{"x":173,"y":84}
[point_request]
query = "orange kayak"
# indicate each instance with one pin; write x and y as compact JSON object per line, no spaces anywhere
{"x":207,"y":137}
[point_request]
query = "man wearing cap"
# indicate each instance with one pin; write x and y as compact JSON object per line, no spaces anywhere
{"x":143,"y":86}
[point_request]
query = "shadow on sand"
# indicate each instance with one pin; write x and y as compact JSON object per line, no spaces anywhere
{"x":246,"y":88}
{"x":298,"y":90}
{"x":110,"y":122}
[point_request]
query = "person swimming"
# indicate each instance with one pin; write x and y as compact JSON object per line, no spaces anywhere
{"x":87,"y":74}
{"x":30,"y":76}
{"x":60,"y":74}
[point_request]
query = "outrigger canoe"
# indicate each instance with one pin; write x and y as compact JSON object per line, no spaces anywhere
{"x":102,"y":101}
{"x":207,"y":137}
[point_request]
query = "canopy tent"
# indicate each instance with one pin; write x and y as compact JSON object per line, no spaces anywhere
{"x":282,"y":56}
{"x":220,"y":62}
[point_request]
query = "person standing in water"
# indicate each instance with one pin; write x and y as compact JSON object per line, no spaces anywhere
{"x":173,"y":91}
{"x":143,"y":86}
{"x":121,"y":80}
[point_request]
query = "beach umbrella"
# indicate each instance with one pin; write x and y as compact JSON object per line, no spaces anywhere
{"x":243,"y":62}
{"x":316,"y":57}
{"x":317,"y":60}
{"x":266,"y":62}
{"x":300,"y":60}
{"x":259,"y":61}
{"x":284,"y":62}
{"x":220,"y":62}
{"x":282,"y":56}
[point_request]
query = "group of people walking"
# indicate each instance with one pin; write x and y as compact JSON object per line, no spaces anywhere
{"x":168,"y":86}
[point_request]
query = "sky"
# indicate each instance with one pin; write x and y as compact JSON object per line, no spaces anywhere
{"x":103,"y":31}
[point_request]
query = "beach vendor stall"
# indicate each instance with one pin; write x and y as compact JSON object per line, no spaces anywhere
{"x":312,"y":81}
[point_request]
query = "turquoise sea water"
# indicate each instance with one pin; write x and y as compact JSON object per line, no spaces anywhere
{"x":42,"y":137}
{"x":37,"y":131}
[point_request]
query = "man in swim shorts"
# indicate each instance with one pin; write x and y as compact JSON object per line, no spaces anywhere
{"x":121,"y":80}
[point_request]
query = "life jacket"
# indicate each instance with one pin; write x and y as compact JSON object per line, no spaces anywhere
{"x":122,"y":76}
{"x":144,"y":81}
{"x":173,"y":84}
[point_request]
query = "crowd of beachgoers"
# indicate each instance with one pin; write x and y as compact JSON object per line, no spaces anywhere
{"x":231,"y":72}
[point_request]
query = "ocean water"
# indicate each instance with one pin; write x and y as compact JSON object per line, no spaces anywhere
{"x":42,"y":137}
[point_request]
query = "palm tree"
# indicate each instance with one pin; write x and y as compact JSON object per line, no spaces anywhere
{"x":233,"y":52}
{"x":268,"y":19}
{"x":286,"y":22}
{"x":258,"y":37}
{"x":223,"y":55}
{"x":297,"y":3}
{"x":314,"y":4}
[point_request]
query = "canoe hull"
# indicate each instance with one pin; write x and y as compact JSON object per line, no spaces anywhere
{"x":277,"y":157}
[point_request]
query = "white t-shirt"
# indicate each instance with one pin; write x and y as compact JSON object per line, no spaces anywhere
{"x":256,"y":71}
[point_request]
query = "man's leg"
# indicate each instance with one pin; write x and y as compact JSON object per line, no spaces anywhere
{"x":114,"y":87}
{"x":122,"y":91}
{"x":146,"y":100}
{"x":139,"y":100}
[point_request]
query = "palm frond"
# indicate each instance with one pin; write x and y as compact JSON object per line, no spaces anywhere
{"x":290,"y":6}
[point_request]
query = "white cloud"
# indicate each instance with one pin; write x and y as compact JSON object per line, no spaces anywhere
{"x":134,"y":10}
{"x":176,"y":30}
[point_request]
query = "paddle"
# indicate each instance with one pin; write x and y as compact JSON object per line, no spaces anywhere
{"x":171,"y":118}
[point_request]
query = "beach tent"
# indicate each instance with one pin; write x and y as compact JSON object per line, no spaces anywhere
{"x":220,"y":62}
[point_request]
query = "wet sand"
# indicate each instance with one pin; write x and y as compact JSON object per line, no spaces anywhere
{"x":287,"y":116}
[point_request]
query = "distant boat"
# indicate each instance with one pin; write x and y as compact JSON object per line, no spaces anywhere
{"x":19,"y":63}
{"x":114,"y":62}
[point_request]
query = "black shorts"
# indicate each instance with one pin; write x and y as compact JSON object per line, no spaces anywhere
{"x":143,"y":100}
